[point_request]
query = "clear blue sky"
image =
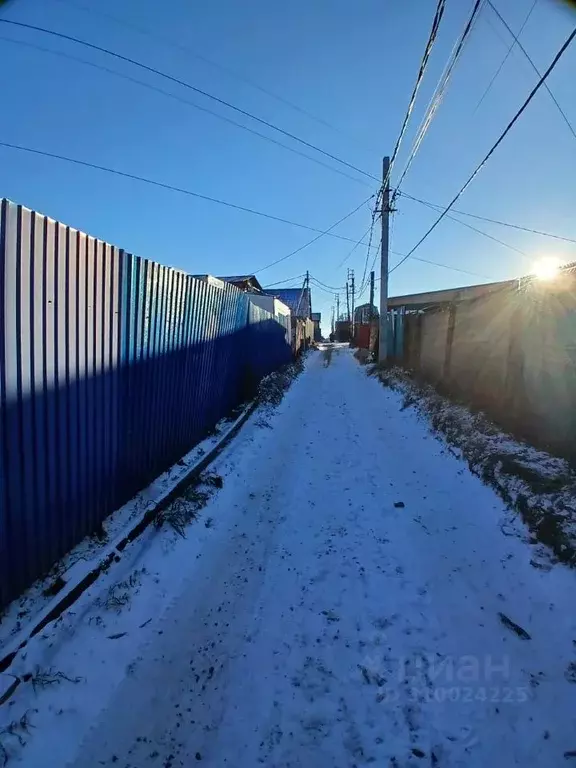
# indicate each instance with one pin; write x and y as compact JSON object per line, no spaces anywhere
{"x":351,"y":64}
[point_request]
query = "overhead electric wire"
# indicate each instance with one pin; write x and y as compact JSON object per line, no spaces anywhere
{"x":506,"y":57}
{"x":351,"y":251}
{"x":189,"y":51}
{"x":369,"y":245}
{"x":420,"y":76}
{"x":493,"y":148}
{"x":493,"y":221}
{"x":438,"y":208}
{"x":326,"y":290}
{"x":288,"y":280}
{"x":444,"y":266}
{"x":182,"y":100}
{"x":440,"y":90}
{"x":185,"y":84}
{"x":423,"y":64}
{"x":447,"y":266}
{"x":534,"y":67}
{"x":330,"y":287}
{"x":180,"y":190}
{"x":314,"y":239}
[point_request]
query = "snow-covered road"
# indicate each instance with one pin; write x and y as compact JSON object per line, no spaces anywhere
{"x":344,"y":600}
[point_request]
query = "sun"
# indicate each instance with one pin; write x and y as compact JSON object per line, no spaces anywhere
{"x":547,"y":268}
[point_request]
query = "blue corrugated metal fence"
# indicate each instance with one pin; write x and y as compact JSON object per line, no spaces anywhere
{"x":112,"y":367}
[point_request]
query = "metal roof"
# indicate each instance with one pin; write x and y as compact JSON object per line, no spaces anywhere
{"x":239,"y":279}
{"x":298,"y":299}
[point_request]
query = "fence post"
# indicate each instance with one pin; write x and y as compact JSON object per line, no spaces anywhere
{"x":449,"y":341}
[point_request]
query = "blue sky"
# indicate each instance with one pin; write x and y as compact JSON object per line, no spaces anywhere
{"x":351,"y":65}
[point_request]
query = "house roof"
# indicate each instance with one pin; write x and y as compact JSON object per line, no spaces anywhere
{"x":242,"y":281}
{"x":298,"y":299}
{"x":363,"y":310}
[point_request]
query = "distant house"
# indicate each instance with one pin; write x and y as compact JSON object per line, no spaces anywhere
{"x":362,"y":314}
{"x":245,"y":283}
{"x":298,"y":299}
{"x":316,"y":318}
{"x":280,"y":311}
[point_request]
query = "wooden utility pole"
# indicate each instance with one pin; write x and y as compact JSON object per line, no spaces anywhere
{"x":337,"y":307}
{"x":347,"y":301}
{"x":352,"y":291}
{"x":383,"y":340}
{"x":371,"y":310}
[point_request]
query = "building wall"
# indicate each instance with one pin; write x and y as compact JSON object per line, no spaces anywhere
{"x":277,"y":308}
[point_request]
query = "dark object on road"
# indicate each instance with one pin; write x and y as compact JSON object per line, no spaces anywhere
{"x":514,"y":627}
{"x":211,"y":478}
{"x":399,"y":504}
{"x":570,"y":673}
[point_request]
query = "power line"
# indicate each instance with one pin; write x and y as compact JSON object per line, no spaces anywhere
{"x":174,"y":188}
{"x":493,"y":221}
{"x":446,"y":266}
{"x":356,"y":245}
{"x":475,"y":229}
{"x":534,"y":67}
{"x":288,"y":280}
{"x":440,"y":90}
{"x":182,"y":100}
{"x":364,"y":287}
{"x":330,"y":287}
{"x":326,"y":290}
{"x":191,"y":87}
{"x":369,"y":246}
{"x":211,"y":62}
{"x":506,"y":57}
{"x":314,"y":239}
{"x":423,"y":64}
{"x":420,"y":76}
{"x":494,"y":147}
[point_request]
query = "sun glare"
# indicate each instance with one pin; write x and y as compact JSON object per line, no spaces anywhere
{"x":547,"y":268}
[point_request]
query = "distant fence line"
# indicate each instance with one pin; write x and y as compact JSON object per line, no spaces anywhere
{"x":112,"y":368}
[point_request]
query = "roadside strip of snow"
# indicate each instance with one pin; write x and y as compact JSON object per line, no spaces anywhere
{"x":84,"y":573}
{"x":536,"y":484}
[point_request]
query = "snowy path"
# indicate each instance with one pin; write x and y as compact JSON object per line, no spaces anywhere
{"x":319,"y":622}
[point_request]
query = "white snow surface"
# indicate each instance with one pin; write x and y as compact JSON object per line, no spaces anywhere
{"x":307,"y":621}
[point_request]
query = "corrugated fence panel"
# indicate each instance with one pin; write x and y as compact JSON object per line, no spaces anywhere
{"x":111,"y":368}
